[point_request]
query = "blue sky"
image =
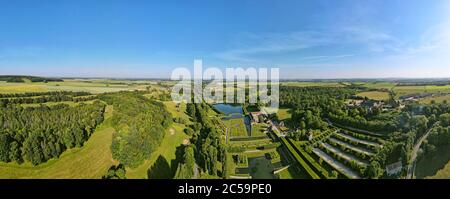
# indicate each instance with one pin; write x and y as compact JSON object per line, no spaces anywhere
{"x":305,"y":39}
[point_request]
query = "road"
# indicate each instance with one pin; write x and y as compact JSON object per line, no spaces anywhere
{"x":412,"y":164}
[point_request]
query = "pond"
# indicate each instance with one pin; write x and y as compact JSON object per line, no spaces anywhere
{"x":234,"y":111}
{"x":259,"y":168}
{"x":229,"y":109}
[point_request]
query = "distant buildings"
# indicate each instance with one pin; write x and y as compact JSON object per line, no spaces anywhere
{"x":255,"y":116}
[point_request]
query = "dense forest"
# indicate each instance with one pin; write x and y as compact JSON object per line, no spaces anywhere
{"x":37,"y":134}
{"x":140,"y":125}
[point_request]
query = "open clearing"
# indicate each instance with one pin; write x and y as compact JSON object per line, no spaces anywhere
{"x":284,"y":113}
{"x":90,"y":161}
{"x":375,"y":95}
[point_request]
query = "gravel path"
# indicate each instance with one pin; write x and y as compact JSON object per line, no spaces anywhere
{"x":354,"y":148}
{"x":336,"y":164}
{"x":366,"y":142}
{"x":344,"y":155}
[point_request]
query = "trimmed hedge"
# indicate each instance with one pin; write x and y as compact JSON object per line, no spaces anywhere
{"x":297,"y":157}
{"x":319,"y":169}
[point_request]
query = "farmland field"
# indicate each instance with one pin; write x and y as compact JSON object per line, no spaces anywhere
{"x":436,"y":99}
{"x":375,"y":95}
{"x":378,"y":85}
{"x":68,"y":85}
{"x":405,"y":90}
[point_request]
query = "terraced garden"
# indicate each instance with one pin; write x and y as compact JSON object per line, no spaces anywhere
{"x":348,"y":152}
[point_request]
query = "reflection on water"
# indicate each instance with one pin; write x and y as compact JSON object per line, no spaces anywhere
{"x":229,"y":109}
{"x":234,"y":111}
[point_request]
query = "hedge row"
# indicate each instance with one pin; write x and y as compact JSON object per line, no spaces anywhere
{"x":297,"y":157}
{"x":319,"y":169}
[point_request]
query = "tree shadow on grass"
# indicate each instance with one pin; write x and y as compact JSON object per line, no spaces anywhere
{"x":160,"y":169}
{"x":179,"y":152}
{"x":429,"y":165}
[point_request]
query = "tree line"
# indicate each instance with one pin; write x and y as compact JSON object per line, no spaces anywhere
{"x":34,"y":98}
{"x":206,"y":138}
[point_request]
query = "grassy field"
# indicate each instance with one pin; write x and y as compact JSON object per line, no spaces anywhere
{"x":375,"y":95}
{"x":437,"y":99}
{"x":377,"y":85}
{"x":236,"y":127}
{"x":99,"y":86}
{"x":258,"y":129}
{"x":90,"y":161}
{"x":284,"y":113}
{"x":179,"y":112}
{"x":20,"y":88}
{"x":405,"y":90}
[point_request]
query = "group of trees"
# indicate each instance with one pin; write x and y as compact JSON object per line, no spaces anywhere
{"x":440,"y":135}
{"x":115,"y":172}
{"x":209,"y":147}
{"x":32,"y":98}
{"x":186,"y":168}
{"x":140,"y":125}
{"x":308,"y":120}
{"x":30,"y":78}
{"x":37,"y":134}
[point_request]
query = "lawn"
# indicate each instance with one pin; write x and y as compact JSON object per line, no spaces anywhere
{"x":177,"y":112}
{"x":375,"y":95}
{"x":258,"y":129}
{"x":284,"y":113}
{"x":90,"y":161}
{"x":236,"y":127}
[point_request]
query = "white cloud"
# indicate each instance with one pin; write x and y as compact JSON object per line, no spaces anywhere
{"x":251,"y":47}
